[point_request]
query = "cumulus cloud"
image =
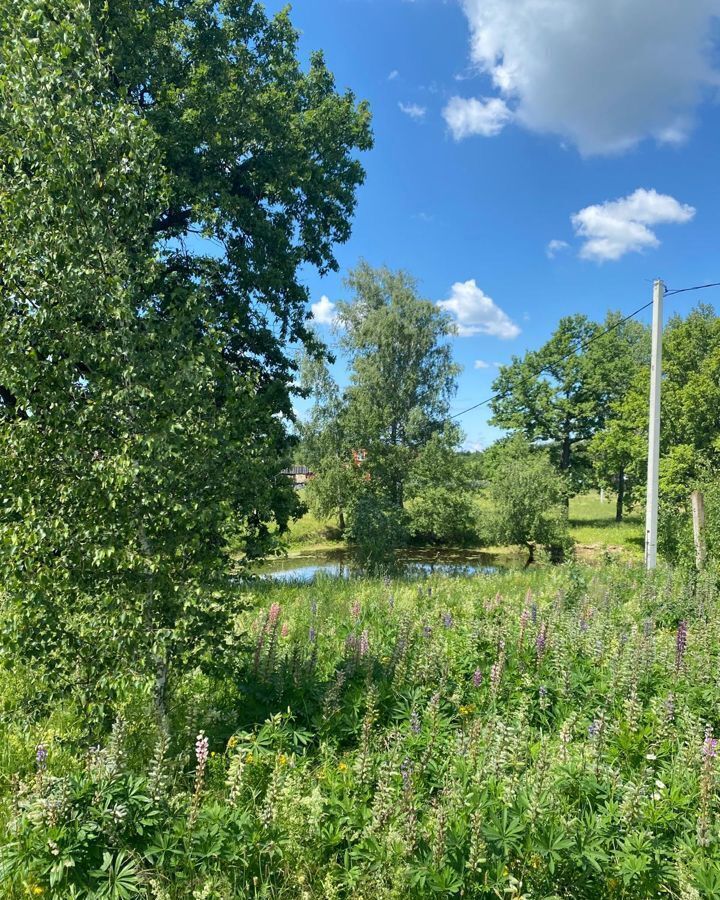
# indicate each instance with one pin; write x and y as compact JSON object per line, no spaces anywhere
{"x":481,"y":364}
{"x":393,"y":75}
{"x":603,"y":73}
{"x":610,"y":230}
{"x":413,"y":110}
{"x":323,"y":312}
{"x":476,"y":313}
{"x":555,"y":247}
{"x":468,"y":116}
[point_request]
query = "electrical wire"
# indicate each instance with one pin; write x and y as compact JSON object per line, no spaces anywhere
{"x":573,"y":352}
{"x":698,"y":287}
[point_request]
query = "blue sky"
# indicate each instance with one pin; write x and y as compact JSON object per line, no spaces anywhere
{"x":605,"y":110}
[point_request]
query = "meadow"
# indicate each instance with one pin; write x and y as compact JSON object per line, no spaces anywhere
{"x":538,"y":734}
{"x":591,"y":523}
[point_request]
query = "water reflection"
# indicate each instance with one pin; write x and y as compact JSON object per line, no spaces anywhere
{"x":420,"y":564}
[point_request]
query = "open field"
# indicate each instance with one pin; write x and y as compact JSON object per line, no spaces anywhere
{"x":537,"y":734}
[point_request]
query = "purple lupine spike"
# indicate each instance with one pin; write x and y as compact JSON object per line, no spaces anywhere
{"x":41,"y":756}
{"x":680,"y":644}
{"x":447,"y":620}
{"x":364,"y":643}
{"x":477,"y":678}
{"x":201,"y":749}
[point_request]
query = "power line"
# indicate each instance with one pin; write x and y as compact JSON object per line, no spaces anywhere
{"x":573,"y":352}
{"x":698,"y":287}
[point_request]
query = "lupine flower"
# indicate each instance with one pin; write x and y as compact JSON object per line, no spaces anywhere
{"x":313,"y":607}
{"x":201,"y":750}
{"x":524,"y":618}
{"x":533,"y":613}
{"x":427,"y":631}
{"x":594,"y":729}
{"x":391,"y":601}
{"x":350,"y":643}
{"x":364,"y":643}
{"x":415,"y":722}
{"x":647,"y":627}
{"x":541,"y":641}
{"x":447,"y":620}
{"x":284,"y":631}
{"x":274,"y":614}
{"x":477,"y":678}
{"x":542,"y":691}
{"x":709,"y":749}
{"x":41,"y":756}
{"x":680,"y":644}
{"x":355,"y":610}
{"x":312,"y":635}
{"x":496,"y":672}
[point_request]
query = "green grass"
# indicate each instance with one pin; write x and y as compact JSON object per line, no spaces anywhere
{"x":592,"y":526}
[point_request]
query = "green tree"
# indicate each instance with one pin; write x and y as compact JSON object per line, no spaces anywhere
{"x":562,"y":394}
{"x":325,"y":446}
{"x":439,"y":491}
{"x":529,"y":498}
{"x":366,"y":443}
{"x":402,"y":376}
{"x":165,"y":169}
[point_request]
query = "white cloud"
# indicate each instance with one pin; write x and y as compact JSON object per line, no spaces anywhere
{"x":555,"y":247}
{"x":323,"y":311}
{"x":603,"y":73}
{"x":616,"y":227}
{"x":476,"y":313}
{"x":468,"y":116}
{"x":413,"y":110}
{"x":481,"y":364}
{"x":393,"y":75}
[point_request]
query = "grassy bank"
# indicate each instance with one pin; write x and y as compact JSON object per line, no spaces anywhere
{"x":532,"y":734}
{"x":592,"y":527}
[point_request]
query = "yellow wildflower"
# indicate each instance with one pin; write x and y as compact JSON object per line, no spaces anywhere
{"x":249,"y":758}
{"x":282,"y":759}
{"x":232,"y":742}
{"x":342,"y":767}
{"x":467,"y":710}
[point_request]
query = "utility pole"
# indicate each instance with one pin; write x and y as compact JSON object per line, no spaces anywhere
{"x":651,"y":514}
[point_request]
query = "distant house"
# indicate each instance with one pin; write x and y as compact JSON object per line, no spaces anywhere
{"x":299,"y":475}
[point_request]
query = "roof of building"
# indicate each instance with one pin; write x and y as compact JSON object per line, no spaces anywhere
{"x":296,"y":470}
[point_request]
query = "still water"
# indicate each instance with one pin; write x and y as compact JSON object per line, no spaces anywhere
{"x":419,"y":564}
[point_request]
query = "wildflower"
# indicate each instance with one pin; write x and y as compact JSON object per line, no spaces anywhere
{"x":342,"y":767}
{"x":364,"y":643}
{"x":447,"y":620}
{"x":533,"y":613}
{"x":312,"y":635}
{"x":414,"y":722}
{"x":542,"y":691}
{"x":477,"y":678}
{"x":313,"y":607}
{"x":709,"y":749}
{"x":201,"y":750}
{"x":427,"y":631}
{"x":467,"y":710}
{"x":232,"y":742}
{"x":36,"y":890}
{"x":355,"y":610}
{"x":541,"y":641}
{"x":391,"y":601}
{"x":524,"y":617}
{"x":274,"y":615}
{"x":282,"y":759}
{"x":594,"y":729}
{"x":285,"y":629}
{"x":249,"y":759}
{"x":680,"y":644}
{"x":496,"y":672}
{"x":41,"y":756}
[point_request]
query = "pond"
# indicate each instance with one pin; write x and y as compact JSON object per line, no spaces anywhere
{"x":413,"y":564}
